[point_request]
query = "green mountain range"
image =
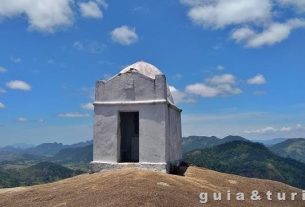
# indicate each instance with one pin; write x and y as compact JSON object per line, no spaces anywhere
{"x":232,"y":154}
{"x":43,"y":172}
{"x":201,"y":142}
{"x":251,"y":160}
{"x":45,"y":149}
{"x":270,"y":142}
{"x":74,"y":155}
{"x":292,"y":148}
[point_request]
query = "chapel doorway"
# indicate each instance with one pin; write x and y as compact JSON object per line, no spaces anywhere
{"x":129,"y":126}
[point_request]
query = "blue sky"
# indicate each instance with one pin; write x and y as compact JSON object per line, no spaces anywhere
{"x":234,"y":66}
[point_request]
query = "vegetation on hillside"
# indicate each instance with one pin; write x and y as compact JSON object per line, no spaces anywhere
{"x":43,"y":172}
{"x":291,"y":148}
{"x":18,"y":167}
{"x":75,"y":158}
{"x":250,"y":160}
{"x":201,"y":142}
{"x":74,"y":155}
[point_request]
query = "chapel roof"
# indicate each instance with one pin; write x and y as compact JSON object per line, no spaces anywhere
{"x":148,"y":70}
{"x":144,"y":68}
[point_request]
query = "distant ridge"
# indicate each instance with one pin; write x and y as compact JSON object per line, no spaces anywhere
{"x":250,"y":160}
{"x":201,"y":142}
{"x":291,"y":148}
{"x":44,"y":149}
{"x":270,"y":142}
{"x":43,"y":172}
{"x":82,"y":154}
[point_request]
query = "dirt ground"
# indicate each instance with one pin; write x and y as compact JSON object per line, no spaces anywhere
{"x":136,"y":187}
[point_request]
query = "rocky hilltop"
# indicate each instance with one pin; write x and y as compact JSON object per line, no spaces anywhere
{"x":136,"y":187}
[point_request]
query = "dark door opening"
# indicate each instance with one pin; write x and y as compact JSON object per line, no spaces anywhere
{"x":129,"y":126}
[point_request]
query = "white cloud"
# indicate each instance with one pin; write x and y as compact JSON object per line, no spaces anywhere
{"x":102,"y":3}
{"x":202,"y":90}
{"x":192,"y":2}
{"x":45,"y":16}
{"x":220,"y":67}
{"x":141,"y":9}
{"x":255,"y":23}
{"x":227,"y":89}
{"x":275,"y":33}
{"x":18,"y":85}
{"x":90,"y":9}
{"x":89,"y":46}
{"x":297,"y":4}
{"x":179,"y":96}
{"x":124,"y":35}
{"x":87,"y":106}
{"x":221,"y":13}
{"x":50,"y":15}
{"x":222,"y":79}
{"x":2,"y":106}
{"x":242,"y":34}
{"x":264,"y":130}
{"x":285,"y":129}
{"x":73,"y":115}
{"x":259,"y":79}
{"x":219,"y":85}
{"x":277,"y":130}
{"x":22,"y":119}
{"x":2,"y":69}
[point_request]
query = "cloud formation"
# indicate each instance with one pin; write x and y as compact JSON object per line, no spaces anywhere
{"x":22,"y":119}
{"x":272,"y":130}
{"x":299,"y":5}
{"x":2,"y":69}
{"x":255,"y":23}
{"x":124,"y":35}
{"x":179,"y":96}
{"x":218,"y":85}
{"x":90,"y":9}
{"x":89,"y":46}
{"x":87,"y":106}
{"x":220,"y":67}
{"x":45,"y":16}
{"x":50,"y":15}
{"x":275,"y":33}
{"x":73,"y":115}
{"x":2,"y":106}
{"x":19,"y":85}
{"x":259,"y":79}
{"x":221,"y":13}
{"x":214,"y":86}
